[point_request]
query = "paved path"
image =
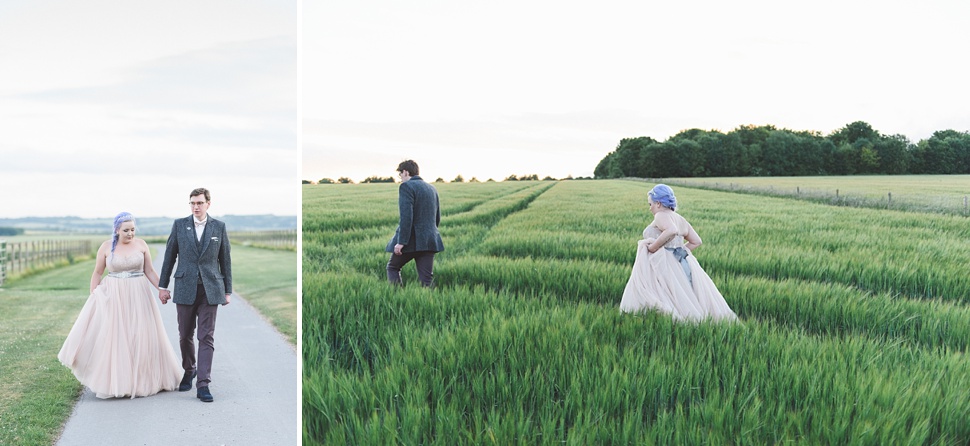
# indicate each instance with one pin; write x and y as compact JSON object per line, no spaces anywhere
{"x":254,"y":383}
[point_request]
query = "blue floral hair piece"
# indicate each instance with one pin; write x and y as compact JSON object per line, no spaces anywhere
{"x":664,"y":195}
{"x":119,"y":219}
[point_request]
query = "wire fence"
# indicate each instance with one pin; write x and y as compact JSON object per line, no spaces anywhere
{"x":20,"y":257}
{"x":952,"y":204}
{"x":17,"y":258}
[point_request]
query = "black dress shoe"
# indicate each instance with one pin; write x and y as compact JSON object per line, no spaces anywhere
{"x":186,"y":383}
{"x":203,"y":394}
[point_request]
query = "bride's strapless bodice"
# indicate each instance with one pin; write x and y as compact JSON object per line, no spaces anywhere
{"x":132,"y":262}
{"x":654,"y":232}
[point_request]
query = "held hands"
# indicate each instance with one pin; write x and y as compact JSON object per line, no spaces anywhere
{"x":166,"y":295}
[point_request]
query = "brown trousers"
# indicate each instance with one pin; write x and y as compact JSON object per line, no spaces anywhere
{"x":205,"y":314}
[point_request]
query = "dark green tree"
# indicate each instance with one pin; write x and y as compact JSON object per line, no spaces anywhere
{"x":723,"y":154}
{"x":845,"y":160}
{"x":376,"y":179}
{"x":946,"y":152}
{"x":854,"y":132}
{"x":629,"y":157}
{"x":778,"y":158}
{"x":868,"y":162}
{"x":10,"y":231}
{"x":894,"y":154}
{"x":607,"y":168}
{"x":751,"y":135}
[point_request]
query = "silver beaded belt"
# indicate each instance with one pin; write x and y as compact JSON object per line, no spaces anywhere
{"x":126,"y":274}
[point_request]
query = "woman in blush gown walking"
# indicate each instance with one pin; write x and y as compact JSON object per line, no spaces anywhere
{"x":665,"y":276}
{"x":118,"y":346}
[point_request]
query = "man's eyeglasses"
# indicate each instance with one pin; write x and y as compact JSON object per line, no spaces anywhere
{"x":197,"y":203}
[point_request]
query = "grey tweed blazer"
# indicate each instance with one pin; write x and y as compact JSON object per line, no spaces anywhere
{"x":206,"y":260}
{"x":420,"y":215}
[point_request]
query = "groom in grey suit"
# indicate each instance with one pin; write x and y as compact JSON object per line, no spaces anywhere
{"x":417,"y":236}
{"x":203,"y":281}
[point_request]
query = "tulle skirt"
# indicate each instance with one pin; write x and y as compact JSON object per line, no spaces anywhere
{"x":658,"y":282}
{"x":118,"y":346}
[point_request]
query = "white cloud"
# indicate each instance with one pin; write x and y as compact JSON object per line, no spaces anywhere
{"x":100,"y":99}
{"x":534,"y":77}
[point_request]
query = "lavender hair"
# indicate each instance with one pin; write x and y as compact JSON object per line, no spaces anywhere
{"x":664,"y":195}
{"x":119,"y":219}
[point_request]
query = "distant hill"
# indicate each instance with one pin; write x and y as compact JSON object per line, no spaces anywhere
{"x":145,"y":225}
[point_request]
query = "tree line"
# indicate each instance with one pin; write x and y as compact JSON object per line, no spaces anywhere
{"x":458,"y":179}
{"x":11,"y":231}
{"x":856,"y":149}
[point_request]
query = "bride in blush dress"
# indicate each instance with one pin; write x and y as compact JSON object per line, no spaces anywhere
{"x":118,"y":346}
{"x":665,"y":276}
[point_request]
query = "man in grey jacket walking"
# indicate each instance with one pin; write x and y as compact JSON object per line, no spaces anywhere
{"x":417,"y":236}
{"x":199,"y":244}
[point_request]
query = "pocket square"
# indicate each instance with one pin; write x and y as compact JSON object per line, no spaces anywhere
{"x":215,"y":239}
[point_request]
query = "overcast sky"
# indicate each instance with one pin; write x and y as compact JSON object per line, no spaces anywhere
{"x":490,"y":89}
{"x":109,"y":106}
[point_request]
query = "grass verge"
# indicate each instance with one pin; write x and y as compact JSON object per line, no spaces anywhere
{"x":266,"y":278}
{"x":37,"y":393}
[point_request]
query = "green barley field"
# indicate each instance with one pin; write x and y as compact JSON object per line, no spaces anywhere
{"x":854,"y":323}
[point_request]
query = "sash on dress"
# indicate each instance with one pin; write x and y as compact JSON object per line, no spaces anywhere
{"x":681,"y":255}
{"x":125,"y":274}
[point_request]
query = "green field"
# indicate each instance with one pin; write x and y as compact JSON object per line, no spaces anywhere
{"x":854,"y":323}
{"x":37,"y":393}
{"x":266,"y":278}
{"x":948,"y":194}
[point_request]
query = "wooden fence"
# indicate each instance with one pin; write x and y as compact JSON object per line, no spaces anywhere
{"x":281,"y":239}
{"x":16,"y":258}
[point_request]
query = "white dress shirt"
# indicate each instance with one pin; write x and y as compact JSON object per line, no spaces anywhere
{"x":200,"y":227}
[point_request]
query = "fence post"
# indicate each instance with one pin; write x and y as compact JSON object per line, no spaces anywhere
{"x":3,"y":261}
{"x":890,"y":200}
{"x":16,"y":258}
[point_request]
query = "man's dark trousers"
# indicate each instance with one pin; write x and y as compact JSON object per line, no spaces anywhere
{"x":206,"y":316}
{"x":424,"y":260}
